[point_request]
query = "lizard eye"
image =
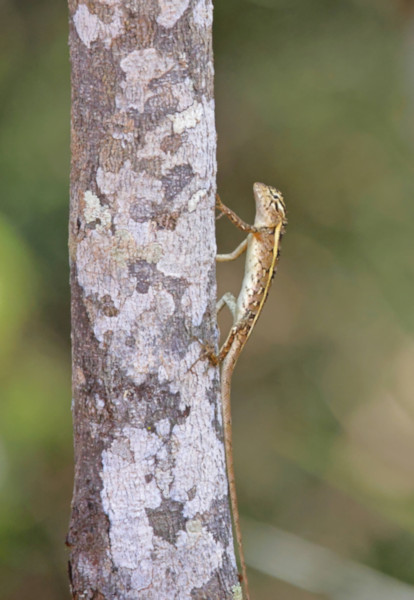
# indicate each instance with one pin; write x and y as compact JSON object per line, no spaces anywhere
{"x":275,"y":193}
{"x":277,"y":200}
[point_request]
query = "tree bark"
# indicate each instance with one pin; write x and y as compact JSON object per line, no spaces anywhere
{"x":150,"y":514}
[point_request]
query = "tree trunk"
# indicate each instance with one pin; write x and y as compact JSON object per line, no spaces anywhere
{"x":150,"y":514}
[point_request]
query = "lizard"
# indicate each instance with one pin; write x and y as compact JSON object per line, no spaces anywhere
{"x":262,"y":247}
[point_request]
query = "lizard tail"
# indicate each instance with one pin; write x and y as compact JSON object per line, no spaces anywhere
{"x":228,"y":442}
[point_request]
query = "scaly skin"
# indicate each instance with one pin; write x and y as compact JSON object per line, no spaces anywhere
{"x":262,"y":252}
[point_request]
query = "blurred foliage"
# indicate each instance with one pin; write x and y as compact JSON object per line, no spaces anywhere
{"x":317,"y":99}
{"x":35,"y":422}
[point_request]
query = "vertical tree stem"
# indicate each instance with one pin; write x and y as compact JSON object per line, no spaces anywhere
{"x":150,"y":515}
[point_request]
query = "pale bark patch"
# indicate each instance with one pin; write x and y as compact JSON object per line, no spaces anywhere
{"x":203,"y":17}
{"x":90,"y":28}
{"x":131,"y":482}
{"x":171,"y":11}
{"x":188,"y":118}
{"x":197,"y":471}
{"x":119,"y":187}
{"x":126,"y":493}
{"x":141,"y":68}
{"x":196,"y":199}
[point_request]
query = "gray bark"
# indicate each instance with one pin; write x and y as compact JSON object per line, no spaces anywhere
{"x":150,"y":515}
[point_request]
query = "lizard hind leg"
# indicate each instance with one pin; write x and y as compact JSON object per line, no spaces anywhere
{"x":207,"y":351}
{"x":230,"y":301}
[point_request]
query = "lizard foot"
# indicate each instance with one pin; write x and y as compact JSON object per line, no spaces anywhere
{"x":206,"y":352}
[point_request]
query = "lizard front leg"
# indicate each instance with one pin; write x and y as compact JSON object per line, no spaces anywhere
{"x":242,"y":247}
{"x":231,"y":215}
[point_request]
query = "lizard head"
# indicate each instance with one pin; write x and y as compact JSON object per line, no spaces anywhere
{"x":270,"y":206}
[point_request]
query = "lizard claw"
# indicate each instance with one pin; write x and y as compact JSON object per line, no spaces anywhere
{"x":206,"y":352}
{"x":219,"y":203}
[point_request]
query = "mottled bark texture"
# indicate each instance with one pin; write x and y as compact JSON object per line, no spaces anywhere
{"x":150,"y":515}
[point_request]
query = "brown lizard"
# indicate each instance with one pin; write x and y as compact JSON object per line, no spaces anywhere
{"x":262,"y":252}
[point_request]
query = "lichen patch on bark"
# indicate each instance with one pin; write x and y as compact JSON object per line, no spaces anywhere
{"x":96,"y":213}
{"x":237,"y":592}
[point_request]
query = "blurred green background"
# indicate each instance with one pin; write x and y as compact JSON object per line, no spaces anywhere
{"x":314,"y":97}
